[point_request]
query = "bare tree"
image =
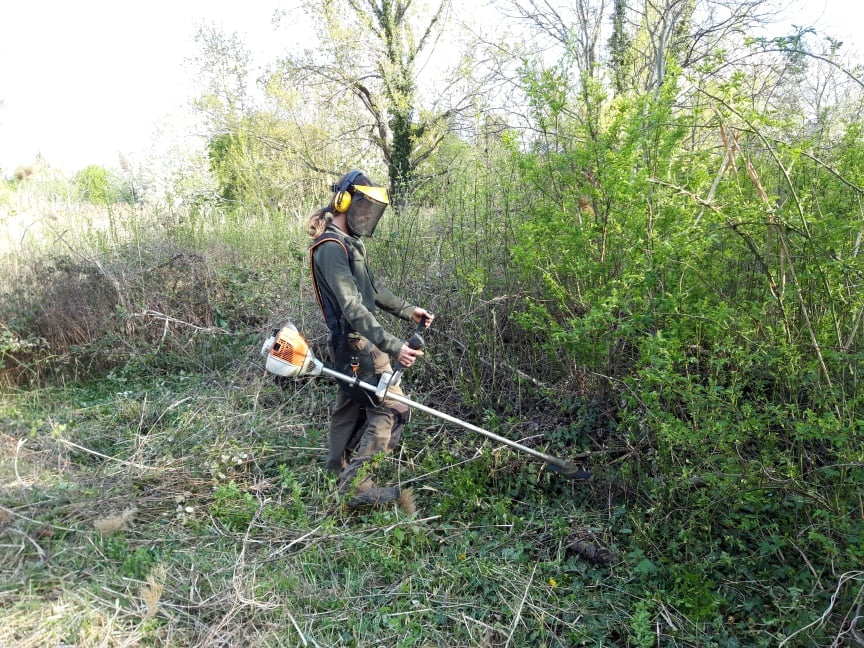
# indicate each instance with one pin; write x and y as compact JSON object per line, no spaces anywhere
{"x":369,"y":57}
{"x":660,"y":33}
{"x":575,"y":27}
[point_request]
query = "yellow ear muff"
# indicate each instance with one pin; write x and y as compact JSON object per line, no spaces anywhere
{"x":342,"y":201}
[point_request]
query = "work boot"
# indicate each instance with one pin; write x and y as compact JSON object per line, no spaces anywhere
{"x":336,"y":466}
{"x":374,"y":495}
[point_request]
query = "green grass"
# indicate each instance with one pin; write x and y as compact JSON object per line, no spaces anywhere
{"x":219,"y":526}
{"x":250,"y":536}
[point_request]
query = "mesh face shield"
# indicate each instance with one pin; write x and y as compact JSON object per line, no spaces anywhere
{"x":367,"y":207}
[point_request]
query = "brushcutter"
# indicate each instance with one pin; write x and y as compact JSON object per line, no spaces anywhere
{"x":288,"y":355}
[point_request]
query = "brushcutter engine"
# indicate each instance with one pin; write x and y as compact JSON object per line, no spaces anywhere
{"x":288,"y":354}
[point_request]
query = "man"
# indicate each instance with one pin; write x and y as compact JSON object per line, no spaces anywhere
{"x":348,"y":294}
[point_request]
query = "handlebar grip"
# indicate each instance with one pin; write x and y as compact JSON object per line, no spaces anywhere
{"x":416,"y":341}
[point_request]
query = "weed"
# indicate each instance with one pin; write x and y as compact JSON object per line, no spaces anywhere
{"x":232,"y":507}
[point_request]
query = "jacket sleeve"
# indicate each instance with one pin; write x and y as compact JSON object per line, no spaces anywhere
{"x":334,"y":275}
{"x":390,"y":303}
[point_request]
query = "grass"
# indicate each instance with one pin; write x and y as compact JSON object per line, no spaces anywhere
{"x":175,"y":512}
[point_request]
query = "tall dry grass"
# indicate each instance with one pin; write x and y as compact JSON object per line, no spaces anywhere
{"x":84,"y":289}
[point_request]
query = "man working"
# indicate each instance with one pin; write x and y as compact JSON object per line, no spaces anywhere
{"x":348,"y":294}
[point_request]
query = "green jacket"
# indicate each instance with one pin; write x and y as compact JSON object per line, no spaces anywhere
{"x":357,"y":293}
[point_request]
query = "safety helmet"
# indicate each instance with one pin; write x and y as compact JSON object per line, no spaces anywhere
{"x":362,"y":202}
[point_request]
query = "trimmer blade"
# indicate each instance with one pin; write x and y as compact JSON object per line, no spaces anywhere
{"x":571,"y":471}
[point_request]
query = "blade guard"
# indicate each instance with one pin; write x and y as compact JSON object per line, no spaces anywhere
{"x":288,"y":354}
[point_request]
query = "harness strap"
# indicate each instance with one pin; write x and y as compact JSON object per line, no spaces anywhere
{"x":331,"y":312}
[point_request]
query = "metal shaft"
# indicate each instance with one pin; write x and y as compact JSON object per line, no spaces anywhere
{"x":565,"y":466}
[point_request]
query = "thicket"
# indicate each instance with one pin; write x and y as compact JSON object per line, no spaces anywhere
{"x":664,"y":284}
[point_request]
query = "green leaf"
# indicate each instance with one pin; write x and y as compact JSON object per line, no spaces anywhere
{"x":645,"y":566}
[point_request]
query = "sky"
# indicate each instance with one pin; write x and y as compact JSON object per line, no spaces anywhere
{"x":84,"y":81}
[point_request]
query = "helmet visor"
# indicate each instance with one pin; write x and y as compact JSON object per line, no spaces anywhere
{"x":367,"y":207}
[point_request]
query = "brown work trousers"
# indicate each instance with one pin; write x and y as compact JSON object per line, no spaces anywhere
{"x":361,"y":430}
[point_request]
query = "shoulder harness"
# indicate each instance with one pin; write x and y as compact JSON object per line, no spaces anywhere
{"x":329,"y":309}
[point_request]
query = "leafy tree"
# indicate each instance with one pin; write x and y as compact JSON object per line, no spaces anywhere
{"x":250,"y":157}
{"x":99,"y":186}
{"x":709,"y":288}
{"x":94,"y":185}
{"x":226,"y":154}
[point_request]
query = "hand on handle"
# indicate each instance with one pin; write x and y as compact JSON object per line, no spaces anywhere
{"x":423,"y":318}
{"x":407,"y":356}
{"x":413,"y":348}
